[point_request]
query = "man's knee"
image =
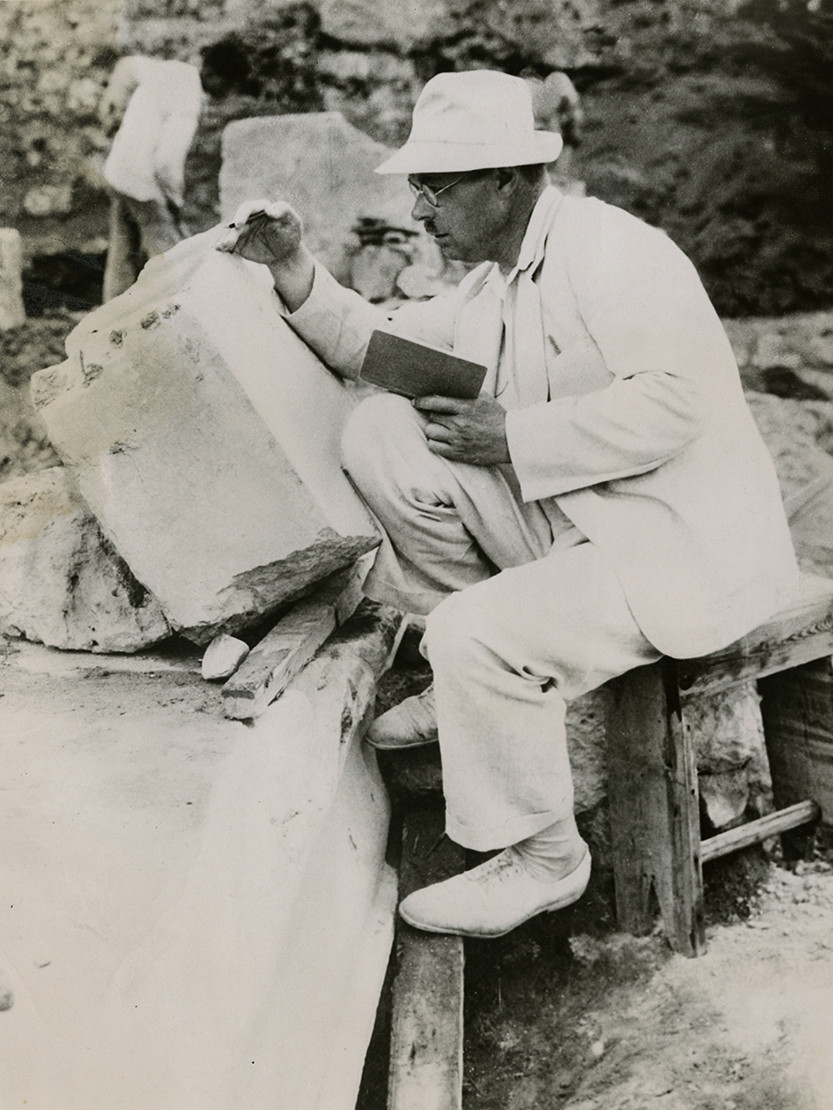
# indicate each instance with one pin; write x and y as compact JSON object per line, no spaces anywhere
{"x":375,"y":427}
{"x":452,"y":629}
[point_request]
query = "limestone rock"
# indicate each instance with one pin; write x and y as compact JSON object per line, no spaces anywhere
{"x":12,"y":313}
{"x":205,"y":436}
{"x":374,"y":272}
{"x":793,"y":432}
{"x":322,"y":166}
{"x":24,"y":445}
{"x":61,"y":582}
{"x":587,"y":747}
{"x":223,"y":656}
{"x":48,"y":200}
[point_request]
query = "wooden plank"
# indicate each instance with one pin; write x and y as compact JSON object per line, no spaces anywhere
{"x":753,"y":832}
{"x":797,"y":712}
{"x":285,"y":651}
{"x":713,"y":674}
{"x":426,"y":1061}
{"x":800,"y":633}
{"x":653,"y":801}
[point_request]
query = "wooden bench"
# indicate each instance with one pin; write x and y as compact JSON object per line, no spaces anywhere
{"x":654,"y":801}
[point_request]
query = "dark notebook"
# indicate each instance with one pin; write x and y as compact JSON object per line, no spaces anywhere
{"x":416,"y":370}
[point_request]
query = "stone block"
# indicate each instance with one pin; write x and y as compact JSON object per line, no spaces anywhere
{"x":323,"y":166}
{"x":205,"y":436}
{"x":12,"y":313}
{"x":61,"y":582}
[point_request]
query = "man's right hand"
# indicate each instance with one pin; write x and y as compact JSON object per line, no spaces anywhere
{"x":271,"y":232}
{"x":264,"y":231}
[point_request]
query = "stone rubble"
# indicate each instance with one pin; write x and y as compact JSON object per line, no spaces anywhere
{"x":222,"y":657}
{"x":61,"y":582}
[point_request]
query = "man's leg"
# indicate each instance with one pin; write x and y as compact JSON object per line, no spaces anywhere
{"x":160,"y":228}
{"x":507,"y":655}
{"x":447,"y":525}
{"x":123,"y":250}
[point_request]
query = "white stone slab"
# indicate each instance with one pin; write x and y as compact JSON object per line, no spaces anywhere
{"x":205,"y":436}
{"x":321,"y":165}
{"x":196,"y":914}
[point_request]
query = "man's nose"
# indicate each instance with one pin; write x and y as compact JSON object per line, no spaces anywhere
{"x":421,"y":210}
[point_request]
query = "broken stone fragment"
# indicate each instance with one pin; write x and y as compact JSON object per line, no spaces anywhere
{"x":61,"y":581}
{"x":205,"y":436}
{"x":223,"y":656}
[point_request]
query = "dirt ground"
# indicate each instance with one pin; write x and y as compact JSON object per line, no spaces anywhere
{"x":560,"y":1016}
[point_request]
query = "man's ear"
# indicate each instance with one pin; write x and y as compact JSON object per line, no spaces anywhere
{"x":508,"y":180}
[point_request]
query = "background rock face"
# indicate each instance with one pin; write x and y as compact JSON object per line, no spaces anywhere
{"x":61,"y":581}
{"x":205,"y":437}
{"x":709,"y":120}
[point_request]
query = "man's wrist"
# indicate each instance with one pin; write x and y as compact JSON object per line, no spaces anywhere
{"x":293,"y":278}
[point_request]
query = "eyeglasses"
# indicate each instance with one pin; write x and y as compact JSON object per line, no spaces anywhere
{"x":429,"y":193}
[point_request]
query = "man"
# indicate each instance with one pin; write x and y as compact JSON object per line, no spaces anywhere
{"x":151,"y":106}
{"x":606,"y":499}
{"x":556,"y":106}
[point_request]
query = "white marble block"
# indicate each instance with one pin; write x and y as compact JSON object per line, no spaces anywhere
{"x":205,"y":436}
{"x":323,"y":166}
{"x":61,"y":582}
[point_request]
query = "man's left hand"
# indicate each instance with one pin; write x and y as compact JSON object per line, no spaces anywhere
{"x":466,"y":431}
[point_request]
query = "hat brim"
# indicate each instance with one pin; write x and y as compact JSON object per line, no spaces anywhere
{"x":422,"y":156}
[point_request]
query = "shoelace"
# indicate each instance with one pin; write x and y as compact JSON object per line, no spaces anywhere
{"x":498,"y":867}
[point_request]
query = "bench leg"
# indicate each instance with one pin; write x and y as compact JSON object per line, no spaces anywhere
{"x":654,"y":808}
{"x":797,"y":712}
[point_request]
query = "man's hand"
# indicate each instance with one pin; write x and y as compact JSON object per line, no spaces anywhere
{"x":266,"y":232}
{"x":466,"y":431}
{"x":272,"y":233}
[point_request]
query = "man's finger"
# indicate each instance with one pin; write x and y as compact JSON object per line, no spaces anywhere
{"x":438,"y":432}
{"x":248,"y":209}
{"x":451,"y":406}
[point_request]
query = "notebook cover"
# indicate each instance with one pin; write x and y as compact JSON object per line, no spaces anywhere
{"x":414,"y":370}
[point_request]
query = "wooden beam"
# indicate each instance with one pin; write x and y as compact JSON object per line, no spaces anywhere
{"x":654,"y":812}
{"x":800,"y":633}
{"x":285,"y":651}
{"x":426,"y":1060}
{"x":753,"y":832}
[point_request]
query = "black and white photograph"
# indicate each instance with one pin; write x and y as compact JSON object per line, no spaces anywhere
{"x":416,"y":555}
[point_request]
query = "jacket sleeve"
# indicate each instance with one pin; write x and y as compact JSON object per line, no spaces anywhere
{"x":337,"y":322}
{"x":647,"y":314}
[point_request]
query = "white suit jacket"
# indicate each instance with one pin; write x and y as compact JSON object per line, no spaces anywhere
{"x":625,"y":408}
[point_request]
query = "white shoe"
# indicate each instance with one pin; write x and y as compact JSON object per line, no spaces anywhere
{"x":492,"y":899}
{"x":408,"y":725}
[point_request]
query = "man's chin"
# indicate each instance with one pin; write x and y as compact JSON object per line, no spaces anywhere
{"x":448,"y":248}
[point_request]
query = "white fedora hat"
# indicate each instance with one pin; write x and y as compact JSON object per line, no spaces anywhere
{"x":475,"y":120}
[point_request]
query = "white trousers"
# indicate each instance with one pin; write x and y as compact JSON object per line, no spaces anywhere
{"x":523,"y":614}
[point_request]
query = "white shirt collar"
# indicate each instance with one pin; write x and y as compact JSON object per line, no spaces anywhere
{"x":534,"y":241}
